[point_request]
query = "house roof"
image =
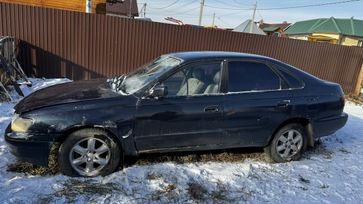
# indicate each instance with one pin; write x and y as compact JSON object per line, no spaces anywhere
{"x":122,"y":7}
{"x":269,"y":27}
{"x":344,"y":26}
{"x":245,"y":28}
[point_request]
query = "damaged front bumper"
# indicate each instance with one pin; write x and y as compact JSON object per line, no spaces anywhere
{"x":27,"y":149}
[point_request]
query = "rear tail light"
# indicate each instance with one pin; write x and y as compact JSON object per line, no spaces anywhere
{"x":342,"y":100}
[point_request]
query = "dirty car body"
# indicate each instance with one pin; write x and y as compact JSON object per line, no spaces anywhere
{"x":175,"y":109}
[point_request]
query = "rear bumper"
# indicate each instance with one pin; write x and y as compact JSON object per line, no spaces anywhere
{"x":330,"y":125}
{"x":35,"y":152}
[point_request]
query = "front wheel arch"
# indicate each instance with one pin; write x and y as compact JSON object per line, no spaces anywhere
{"x":72,"y":129}
{"x":115,"y":150}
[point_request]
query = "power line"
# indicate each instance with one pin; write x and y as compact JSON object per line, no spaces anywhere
{"x":258,"y":12}
{"x":288,"y":7}
{"x":311,"y":5}
{"x":170,"y":5}
{"x":187,"y":3}
{"x":229,"y":8}
{"x":239,"y":3}
{"x":182,"y":13}
{"x":227,"y":4}
{"x":189,"y":10}
{"x":223,"y":21}
{"x":173,"y":9}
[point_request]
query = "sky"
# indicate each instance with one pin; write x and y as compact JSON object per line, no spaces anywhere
{"x":231,"y":13}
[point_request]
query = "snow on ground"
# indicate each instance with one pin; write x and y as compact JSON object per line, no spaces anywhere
{"x":330,"y":173}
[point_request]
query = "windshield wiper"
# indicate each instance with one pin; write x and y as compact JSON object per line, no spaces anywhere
{"x":123,"y":89}
{"x":116,"y":83}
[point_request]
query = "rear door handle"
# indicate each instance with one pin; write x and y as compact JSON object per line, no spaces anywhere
{"x":211,"y":109}
{"x":283,"y":103}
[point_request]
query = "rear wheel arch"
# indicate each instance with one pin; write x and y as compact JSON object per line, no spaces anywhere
{"x":304,"y":122}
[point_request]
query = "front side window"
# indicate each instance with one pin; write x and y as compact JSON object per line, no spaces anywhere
{"x":251,"y":76}
{"x":198,"y":79}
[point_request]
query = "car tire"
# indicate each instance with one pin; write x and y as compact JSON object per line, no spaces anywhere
{"x":288,"y":144}
{"x":89,"y":153}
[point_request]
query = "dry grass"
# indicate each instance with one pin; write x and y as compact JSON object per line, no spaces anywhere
{"x":73,"y":188}
{"x":235,"y":155}
{"x":30,"y":169}
{"x":167,"y":191}
{"x":355,"y":99}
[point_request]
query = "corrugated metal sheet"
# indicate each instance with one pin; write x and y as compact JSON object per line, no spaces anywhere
{"x":59,"y":43}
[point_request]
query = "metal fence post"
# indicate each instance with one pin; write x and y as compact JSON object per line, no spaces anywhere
{"x":358,"y":85}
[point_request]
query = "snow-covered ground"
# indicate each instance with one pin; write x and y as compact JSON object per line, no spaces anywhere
{"x":330,"y":173}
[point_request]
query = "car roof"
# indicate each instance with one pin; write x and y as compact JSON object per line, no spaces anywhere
{"x":201,"y":55}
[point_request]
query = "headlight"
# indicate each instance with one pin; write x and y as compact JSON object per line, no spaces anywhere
{"x":19,"y":124}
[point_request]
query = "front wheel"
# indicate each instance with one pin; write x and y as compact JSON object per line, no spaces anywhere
{"x":288,"y":144}
{"x":89,"y":152}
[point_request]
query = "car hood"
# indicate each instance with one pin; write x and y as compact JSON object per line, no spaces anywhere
{"x":66,"y":93}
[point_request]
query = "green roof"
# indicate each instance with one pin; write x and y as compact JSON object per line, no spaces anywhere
{"x":270,"y":29}
{"x":347,"y":26}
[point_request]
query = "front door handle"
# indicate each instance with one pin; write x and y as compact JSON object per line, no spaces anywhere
{"x":283,"y":103}
{"x":211,"y":109}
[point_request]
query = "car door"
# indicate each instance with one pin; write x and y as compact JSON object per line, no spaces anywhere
{"x":256,"y":103}
{"x":189,"y":117}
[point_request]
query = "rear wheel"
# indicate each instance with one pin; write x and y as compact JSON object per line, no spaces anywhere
{"x":288,"y":144}
{"x":89,"y":152}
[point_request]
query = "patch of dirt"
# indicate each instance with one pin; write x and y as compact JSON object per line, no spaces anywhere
{"x":344,"y":151}
{"x":31,"y":169}
{"x":247,"y":194}
{"x":324,"y":186}
{"x":196,"y":191}
{"x":319,"y":149}
{"x":74,"y":188}
{"x":153,"y":176}
{"x":220,"y":194}
{"x":303,"y":180}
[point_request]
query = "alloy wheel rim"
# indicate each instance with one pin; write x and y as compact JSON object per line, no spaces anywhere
{"x":89,"y":156}
{"x":289,"y":144}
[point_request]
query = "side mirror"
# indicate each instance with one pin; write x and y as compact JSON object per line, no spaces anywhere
{"x":158,"y":91}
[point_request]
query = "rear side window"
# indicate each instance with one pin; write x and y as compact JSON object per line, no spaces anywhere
{"x":291,"y":80}
{"x":251,"y":76}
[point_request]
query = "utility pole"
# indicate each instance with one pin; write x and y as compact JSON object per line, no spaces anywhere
{"x":201,"y":12}
{"x":145,"y":10}
{"x":214,"y":18}
{"x":130,"y":9}
{"x":253,"y":16}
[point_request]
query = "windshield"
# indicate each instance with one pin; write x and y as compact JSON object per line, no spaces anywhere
{"x":146,"y":74}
